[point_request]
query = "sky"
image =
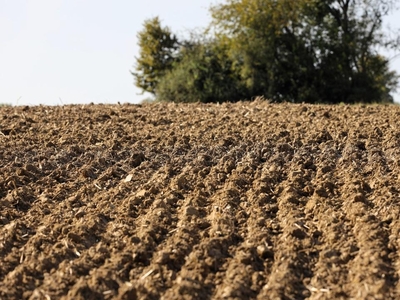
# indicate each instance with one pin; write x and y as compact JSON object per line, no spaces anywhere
{"x":57,"y":52}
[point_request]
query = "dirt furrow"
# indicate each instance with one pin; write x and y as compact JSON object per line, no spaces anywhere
{"x":215,"y":202}
{"x":295,"y":231}
{"x":372,"y":248}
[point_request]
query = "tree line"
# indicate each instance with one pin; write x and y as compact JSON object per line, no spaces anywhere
{"x":314,"y":51}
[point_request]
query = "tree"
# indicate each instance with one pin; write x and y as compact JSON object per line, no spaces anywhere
{"x":309,"y":50}
{"x":158,"y":48}
{"x":202,"y":74}
{"x":315,"y":51}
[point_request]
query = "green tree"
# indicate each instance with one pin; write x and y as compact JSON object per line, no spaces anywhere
{"x":309,"y":50}
{"x":316,"y":51}
{"x":158,"y":51}
{"x":202,"y":74}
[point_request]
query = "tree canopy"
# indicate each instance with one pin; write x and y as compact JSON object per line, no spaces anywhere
{"x":157,"y":53}
{"x":316,"y":51}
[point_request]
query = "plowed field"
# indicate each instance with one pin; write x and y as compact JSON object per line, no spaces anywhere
{"x":167,"y":201}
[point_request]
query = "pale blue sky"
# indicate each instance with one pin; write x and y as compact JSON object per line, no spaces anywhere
{"x":81,"y":51}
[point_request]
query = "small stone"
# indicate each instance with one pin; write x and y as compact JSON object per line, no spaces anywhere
{"x":128,"y":178}
{"x":261,"y":250}
{"x":141,"y":193}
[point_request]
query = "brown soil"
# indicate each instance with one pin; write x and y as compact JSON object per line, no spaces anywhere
{"x":233,"y":201}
